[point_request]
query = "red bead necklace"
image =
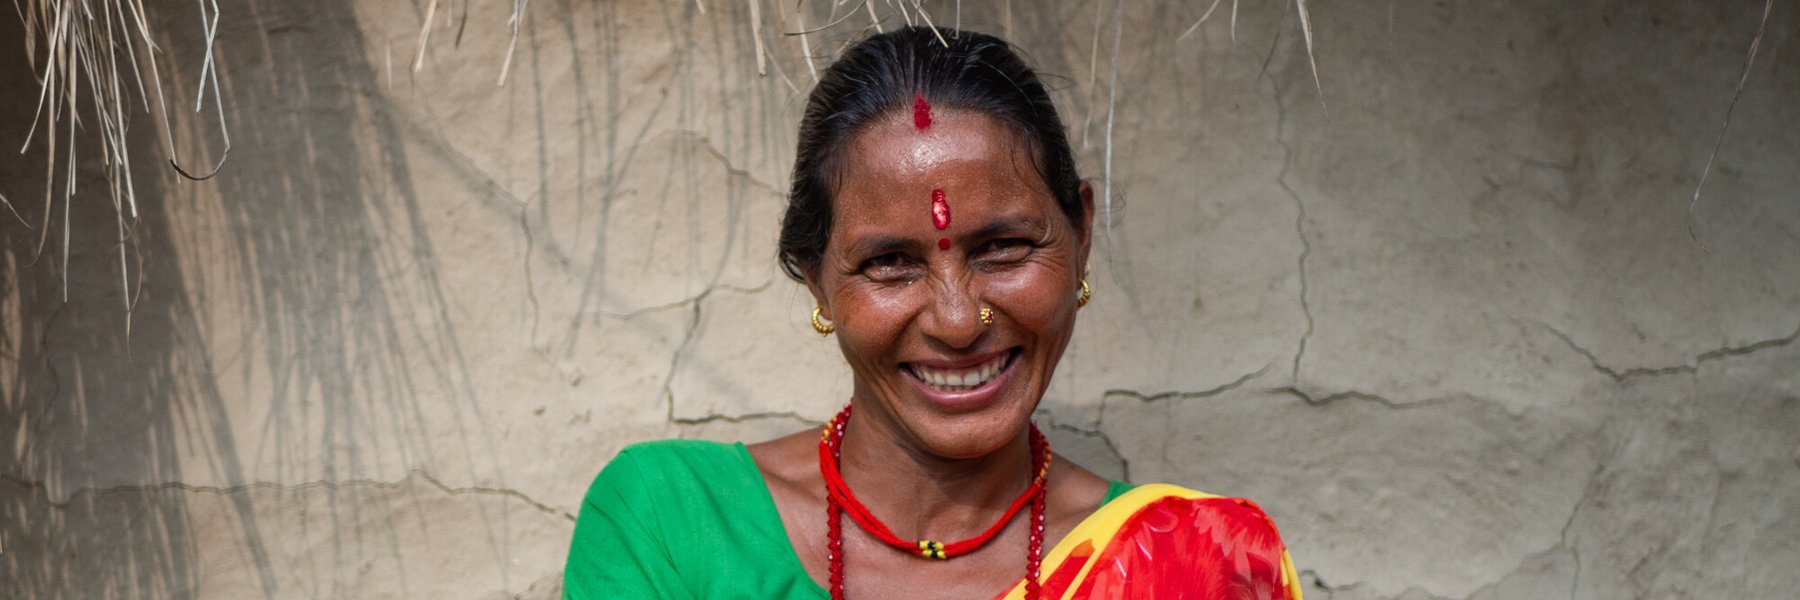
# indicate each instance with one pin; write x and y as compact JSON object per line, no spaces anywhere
{"x":839,"y":500}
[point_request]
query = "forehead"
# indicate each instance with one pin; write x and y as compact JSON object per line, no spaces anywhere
{"x":893,"y":147}
{"x":973,"y":157}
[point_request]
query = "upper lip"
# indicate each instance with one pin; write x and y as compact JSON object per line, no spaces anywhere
{"x":965,"y":362}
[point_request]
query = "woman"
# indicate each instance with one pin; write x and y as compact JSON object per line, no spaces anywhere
{"x":938,"y":221}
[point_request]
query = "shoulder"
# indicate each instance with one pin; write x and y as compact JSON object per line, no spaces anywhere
{"x":1241,"y":518}
{"x":678,"y":452}
{"x":664,"y":519}
{"x":790,"y":462}
{"x":1232,"y":538}
{"x":664,"y":467}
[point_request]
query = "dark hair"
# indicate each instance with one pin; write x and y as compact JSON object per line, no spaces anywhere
{"x":880,"y":75}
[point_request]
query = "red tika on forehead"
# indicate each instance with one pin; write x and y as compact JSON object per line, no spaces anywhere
{"x":921,"y":111}
{"x":940,"y":209}
{"x":943,"y":243}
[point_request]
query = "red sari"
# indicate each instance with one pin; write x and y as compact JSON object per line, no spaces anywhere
{"x":1168,"y":543}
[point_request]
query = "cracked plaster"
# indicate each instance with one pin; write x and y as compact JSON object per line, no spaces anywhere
{"x":324,"y":539}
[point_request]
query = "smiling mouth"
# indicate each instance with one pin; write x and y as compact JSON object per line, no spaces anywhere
{"x":962,"y":380}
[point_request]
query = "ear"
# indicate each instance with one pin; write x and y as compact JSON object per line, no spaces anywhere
{"x":1085,"y":231}
{"x":818,"y":293}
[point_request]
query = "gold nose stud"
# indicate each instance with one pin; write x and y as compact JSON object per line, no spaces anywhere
{"x":987,"y":316}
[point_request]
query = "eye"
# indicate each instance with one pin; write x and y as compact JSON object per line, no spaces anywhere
{"x":890,"y":259}
{"x":1006,"y":249}
{"x":888,"y":267}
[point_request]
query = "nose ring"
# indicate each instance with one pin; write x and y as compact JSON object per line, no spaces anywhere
{"x":987,"y":316}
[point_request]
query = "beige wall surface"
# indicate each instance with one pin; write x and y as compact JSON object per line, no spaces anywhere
{"x":1439,"y":310}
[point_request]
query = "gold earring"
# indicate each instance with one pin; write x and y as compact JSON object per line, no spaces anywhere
{"x":987,"y":316}
{"x":1085,"y":294}
{"x":820,"y":326}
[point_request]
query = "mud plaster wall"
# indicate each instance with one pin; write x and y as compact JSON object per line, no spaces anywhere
{"x":1444,"y":320}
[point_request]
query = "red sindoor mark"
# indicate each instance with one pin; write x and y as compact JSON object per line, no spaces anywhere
{"x":940,"y":210}
{"x":921,"y":111}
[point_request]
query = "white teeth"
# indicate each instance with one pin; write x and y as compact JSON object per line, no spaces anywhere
{"x":959,"y":380}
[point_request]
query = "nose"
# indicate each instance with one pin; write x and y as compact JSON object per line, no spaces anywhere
{"x":953,"y":317}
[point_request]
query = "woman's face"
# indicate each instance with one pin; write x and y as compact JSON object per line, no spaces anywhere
{"x":906,"y":294}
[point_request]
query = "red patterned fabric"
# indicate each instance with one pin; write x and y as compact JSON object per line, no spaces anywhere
{"x":1176,"y":548}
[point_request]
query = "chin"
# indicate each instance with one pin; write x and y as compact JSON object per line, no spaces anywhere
{"x":961,"y":424}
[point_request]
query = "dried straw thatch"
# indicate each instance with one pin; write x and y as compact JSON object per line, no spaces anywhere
{"x":88,"y":54}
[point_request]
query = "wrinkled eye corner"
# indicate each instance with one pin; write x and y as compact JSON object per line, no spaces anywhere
{"x":1005,"y":248}
{"x":891,"y":259}
{"x":892,"y":266}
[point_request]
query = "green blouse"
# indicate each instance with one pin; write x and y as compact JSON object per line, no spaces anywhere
{"x":687,"y":519}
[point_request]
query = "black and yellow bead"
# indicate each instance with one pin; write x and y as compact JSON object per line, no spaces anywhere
{"x":931,"y":549}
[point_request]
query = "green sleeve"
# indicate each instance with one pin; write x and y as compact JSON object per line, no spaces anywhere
{"x":1115,"y":489}
{"x":618,"y":550}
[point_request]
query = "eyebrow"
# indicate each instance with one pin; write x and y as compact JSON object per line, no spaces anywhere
{"x":1008,"y":224}
{"x":879,"y":245}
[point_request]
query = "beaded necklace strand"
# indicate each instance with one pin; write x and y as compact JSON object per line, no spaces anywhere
{"x":840,"y":500}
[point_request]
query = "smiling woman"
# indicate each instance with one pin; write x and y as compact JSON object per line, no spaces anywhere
{"x":907,"y":313}
{"x":937,"y":219}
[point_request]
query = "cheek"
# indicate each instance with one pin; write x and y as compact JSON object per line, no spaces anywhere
{"x":1033,"y":298}
{"x":871,"y":320}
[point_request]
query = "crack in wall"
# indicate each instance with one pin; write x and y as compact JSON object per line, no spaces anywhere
{"x":1331,"y":591}
{"x":298,"y":487}
{"x":430,"y":135}
{"x":687,"y":341}
{"x":1106,"y":440}
{"x":673,"y":304}
{"x":1179,"y":395}
{"x":1318,"y":583}
{"x":706,"y":142}
{"x":1312,"y":400}
{"x":1098,"y":431}
{"x":537,"y":308}
{"x":1562,"y":543}
{"x":1690,"y":368}
{"x":1287,"y":163}
{"x":756,"y":416}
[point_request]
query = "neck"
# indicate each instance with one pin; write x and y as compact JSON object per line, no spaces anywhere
{"x":920,"y":494}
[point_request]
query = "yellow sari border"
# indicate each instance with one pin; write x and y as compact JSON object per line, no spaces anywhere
{"x":1100,"y":528}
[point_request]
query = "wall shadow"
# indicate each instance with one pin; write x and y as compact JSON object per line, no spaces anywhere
{"x":314,"y":299}
{"x":89,"y":389}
